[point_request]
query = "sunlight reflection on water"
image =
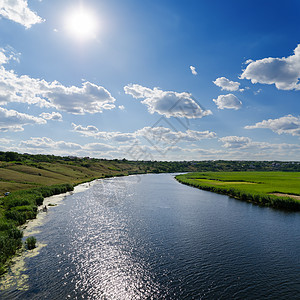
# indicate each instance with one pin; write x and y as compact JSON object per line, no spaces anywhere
{"x":106,"y":263}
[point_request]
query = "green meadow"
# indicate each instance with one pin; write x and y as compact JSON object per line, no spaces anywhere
{"x":256,"y":187}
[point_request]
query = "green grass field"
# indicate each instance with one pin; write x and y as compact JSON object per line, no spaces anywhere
{"x":256,"y":187}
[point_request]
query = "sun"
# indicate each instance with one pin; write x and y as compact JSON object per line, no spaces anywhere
{"x":82,"y":24}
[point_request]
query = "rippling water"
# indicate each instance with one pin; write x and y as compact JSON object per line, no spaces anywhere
{"x":149,"y":237}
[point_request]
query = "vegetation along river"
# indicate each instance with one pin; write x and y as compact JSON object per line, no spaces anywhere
{"x":150,"y":237}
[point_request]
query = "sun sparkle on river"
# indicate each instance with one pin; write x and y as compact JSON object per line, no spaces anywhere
{"x":82,"y":24}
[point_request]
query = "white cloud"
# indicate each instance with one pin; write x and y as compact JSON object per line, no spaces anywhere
{"x":3,"y":58}
{"x":11,"y":120}
{"x":121,"y":107}
{"x":283,"y":72}
{"x":248,"y":61}
{"x":90,"y":98}
{"x":19,"y":12}
{"x":167,"y":135}
{"x":235,"y":141}
{"x":193,"y":70}
{"x":81,"y":129}
{"x":53,"y":116}
{"x":99,"y":147}
{"x":229,"y":101}
{"x":8,"y":53}
{"x":137,"y":91}
{"x":226,"y":84}
{"x":244,"y":148}
{"x":238,"y":148}
{"x":151,"y":133}
{"x":92,"y":131}
{"x":168,"y":103}
{"x":287,"y":124}
{"x":5,"y":141}
{"x":47,"y":143}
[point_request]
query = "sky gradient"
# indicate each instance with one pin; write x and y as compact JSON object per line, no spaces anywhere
{"x":151,"y":80}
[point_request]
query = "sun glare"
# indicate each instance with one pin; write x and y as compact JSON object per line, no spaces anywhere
{"x":81,"y":24}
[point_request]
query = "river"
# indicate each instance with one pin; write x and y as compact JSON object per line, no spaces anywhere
{"x":150,"y":237}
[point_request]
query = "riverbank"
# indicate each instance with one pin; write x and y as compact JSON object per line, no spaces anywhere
{"x":16,"y":277}
{"x":278,"y":190}
{"x":16,"y":209}
{"x":20,"y":206}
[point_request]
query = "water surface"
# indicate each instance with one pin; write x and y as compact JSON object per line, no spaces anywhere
{"x":150,"y":237}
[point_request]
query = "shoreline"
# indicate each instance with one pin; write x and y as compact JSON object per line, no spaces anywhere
{"x":14,"y":275}
{"x":272,"y":200}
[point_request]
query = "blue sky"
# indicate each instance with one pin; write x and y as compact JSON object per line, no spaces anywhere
{"x":163,"y":80}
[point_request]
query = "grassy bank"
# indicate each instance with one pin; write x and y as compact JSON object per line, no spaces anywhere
{"x":15,"y":210}
{"x":255,"y":187}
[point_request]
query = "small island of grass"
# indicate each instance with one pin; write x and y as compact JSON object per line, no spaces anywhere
{"x":272,"y":189}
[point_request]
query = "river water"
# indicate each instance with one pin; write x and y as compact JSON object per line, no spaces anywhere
{"x":150,"y":237}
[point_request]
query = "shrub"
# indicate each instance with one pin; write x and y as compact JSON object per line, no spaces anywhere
{"x":30,"y":243}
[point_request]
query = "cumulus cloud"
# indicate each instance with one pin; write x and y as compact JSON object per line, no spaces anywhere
{"x":137,"y":91}
{"x":229,"y":101}
{"x":47,"y":143}
{"x":151,"y":133}
{"x":90,"y":98}
{"x":193,"y":70}
{"x":82,"y":129}
{"x":245,"y":148}
{"x":235,"y":141}
{"x":11,"y":120}
{"x":92,"y":131}
{"x":19,"y":12}
{"x":168,"y":103}
{"x":121,"y":107}
{"x":226,"y":84}
{"x":288,"y":124}
{"x":283,"y":72}
{"x":167,"y":135}
{"x":55,"y":116}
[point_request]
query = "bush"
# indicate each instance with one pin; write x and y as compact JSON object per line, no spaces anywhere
{"x":30,"y":243}
{"x":10,"y":241}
